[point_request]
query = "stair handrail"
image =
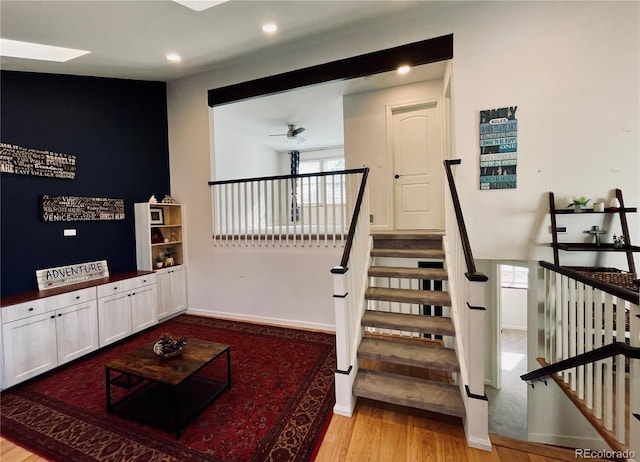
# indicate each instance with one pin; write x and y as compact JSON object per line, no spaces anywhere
{"x":287,"y":177}
{"x":472,"y":274}
{"x":612,"y":289}
{"x":607,"y":351}
{"x":344,"y":261}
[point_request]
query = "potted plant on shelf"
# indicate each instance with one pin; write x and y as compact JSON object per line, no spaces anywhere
{"x":579,"y":203}
{"x":168,"y":253}
{"x":158,"y":261}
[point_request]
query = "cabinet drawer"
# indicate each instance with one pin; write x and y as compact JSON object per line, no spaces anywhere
{"x":114,"y":288}
{"x":71,"y":298}
{"x":143,"y":281}
{"x":24,"y":310}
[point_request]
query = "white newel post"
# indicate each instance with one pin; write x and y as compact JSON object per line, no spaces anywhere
{"x":345,"y":374}
{"x":477,"y":418}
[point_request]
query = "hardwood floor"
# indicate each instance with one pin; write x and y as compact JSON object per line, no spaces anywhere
{"x":382,"y":432}
{"x":387,"y":433}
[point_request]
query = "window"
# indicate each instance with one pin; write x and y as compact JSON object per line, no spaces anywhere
{"x":514,"y":276}
{"x":310,"y":187}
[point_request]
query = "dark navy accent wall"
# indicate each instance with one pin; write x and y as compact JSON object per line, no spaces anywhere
{"x":117,"y":129}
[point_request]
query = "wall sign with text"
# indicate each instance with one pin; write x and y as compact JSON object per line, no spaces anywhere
{"x":498,"y":148}
{"x":70,"y":208}
{"x":26,"y":161}
{"x":59,"y":276}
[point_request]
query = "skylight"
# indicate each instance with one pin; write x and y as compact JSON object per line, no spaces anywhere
{"x":199,"y":5}
{"x":26,"y":50}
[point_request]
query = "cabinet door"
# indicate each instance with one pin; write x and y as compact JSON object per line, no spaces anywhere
{"x":77,"y":331}
{"x":165,"y":304}
{"x":143,"y":308}
{"x":178,"y":290}
{"x":114,"y":317}
{"x":29,"y":347}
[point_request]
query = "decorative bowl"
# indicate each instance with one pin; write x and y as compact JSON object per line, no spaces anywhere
{"x":157,"y":349}
{"x":167,"y":347}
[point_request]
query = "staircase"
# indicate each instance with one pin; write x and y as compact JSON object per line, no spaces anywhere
{"x":398,"y":363}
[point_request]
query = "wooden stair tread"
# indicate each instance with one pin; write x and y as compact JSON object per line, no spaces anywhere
{"x":433,"y":274}
{"x":418,"y":393}
{"x":408,"y":253}
{"x":437,"y":325}
{"x":397,"y":351}
{"x":423,"y":297}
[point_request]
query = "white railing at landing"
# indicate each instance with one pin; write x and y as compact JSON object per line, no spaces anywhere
{"x":581,"y":316}
{"x":287,"y":210}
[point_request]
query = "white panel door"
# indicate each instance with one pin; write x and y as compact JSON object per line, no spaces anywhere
{"x":418,"y":170}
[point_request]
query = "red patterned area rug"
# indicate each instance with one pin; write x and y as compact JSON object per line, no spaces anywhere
{"x":281,"y":398}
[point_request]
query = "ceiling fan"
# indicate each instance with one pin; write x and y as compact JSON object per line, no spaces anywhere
{"x":293,"y":133}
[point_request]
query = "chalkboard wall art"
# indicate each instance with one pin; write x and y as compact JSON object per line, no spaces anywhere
{"x":70,"y":208}
{"x":27,"y":161}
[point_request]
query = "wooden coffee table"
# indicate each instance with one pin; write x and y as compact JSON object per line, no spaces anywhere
{"x":167,"y":393}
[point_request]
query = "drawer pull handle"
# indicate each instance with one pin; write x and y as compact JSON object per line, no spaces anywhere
{"x":31,"y":309}
{"x":115,"y":288}
{"x":52,"y":317}
{"x":59,"y":314}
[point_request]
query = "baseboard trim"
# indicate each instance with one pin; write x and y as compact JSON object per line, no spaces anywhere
{"x":291,"y":323}
{"x":567,"y":441}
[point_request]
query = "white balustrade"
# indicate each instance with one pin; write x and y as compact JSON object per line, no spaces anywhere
{"x":287,"y":210}
{"x":579,"y":318}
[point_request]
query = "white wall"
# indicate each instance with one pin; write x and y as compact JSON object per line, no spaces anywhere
{"x":365,"y":140}
{"x":514,"y":308}
{"x":239,"y":155}
{"x":570,"y":67}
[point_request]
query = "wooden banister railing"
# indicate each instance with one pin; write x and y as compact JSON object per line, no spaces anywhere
{"x":471,"y":274}
{"x":354,"y":223}
{"x":467,"y":288}
{"x":607,"y":351}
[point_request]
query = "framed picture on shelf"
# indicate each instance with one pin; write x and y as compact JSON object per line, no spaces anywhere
{"x":156,"y":216}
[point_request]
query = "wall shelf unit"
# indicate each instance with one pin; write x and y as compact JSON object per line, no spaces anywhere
{"x":621,"y":211}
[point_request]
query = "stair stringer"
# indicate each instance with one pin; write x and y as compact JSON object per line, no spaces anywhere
{"x":476,"y":420}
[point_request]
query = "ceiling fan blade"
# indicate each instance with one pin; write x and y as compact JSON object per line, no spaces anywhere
{"x":280,"y":134}
{"x":298,"y":130}
{"x":300,"y":139}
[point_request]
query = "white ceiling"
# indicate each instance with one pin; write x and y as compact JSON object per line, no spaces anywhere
{"x":130,"y":39}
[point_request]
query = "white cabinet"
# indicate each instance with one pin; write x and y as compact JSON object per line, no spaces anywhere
{"x":160,"y":247}
{"x":172,"y":297}
{"x":126,"y":307}
{"x":76,"y":331}
{"x":40,"y":335}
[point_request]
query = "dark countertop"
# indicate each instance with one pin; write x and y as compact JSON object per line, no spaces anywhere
{"x":38,"y":294}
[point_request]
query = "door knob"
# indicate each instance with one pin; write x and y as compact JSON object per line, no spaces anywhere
{"x":396,"y":176}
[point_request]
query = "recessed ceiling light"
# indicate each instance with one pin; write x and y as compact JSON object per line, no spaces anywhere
{"x":199,"y":5}
{"x":174,"y":57}
{"x":269,"y":28}
{"x":404,"y":69}
{"x":27,"y":50}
